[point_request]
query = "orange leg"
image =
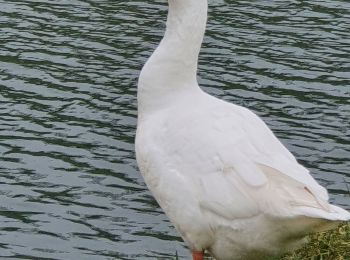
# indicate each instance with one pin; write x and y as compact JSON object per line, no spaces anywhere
{"x":198,"y":255}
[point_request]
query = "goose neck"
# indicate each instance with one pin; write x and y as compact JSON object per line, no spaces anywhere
{"x":173,"y":65}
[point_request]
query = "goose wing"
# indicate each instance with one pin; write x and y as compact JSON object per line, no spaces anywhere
{"x":257,"y":171}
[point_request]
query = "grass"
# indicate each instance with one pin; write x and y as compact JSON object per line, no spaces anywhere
{"x":329,"y":245}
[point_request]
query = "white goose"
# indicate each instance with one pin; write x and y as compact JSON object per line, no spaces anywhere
{"x":222,"y":177}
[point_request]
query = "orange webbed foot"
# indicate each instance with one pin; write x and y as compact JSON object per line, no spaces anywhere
{"x":197,"y":255}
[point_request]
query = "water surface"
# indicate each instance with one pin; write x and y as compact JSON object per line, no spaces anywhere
{"x":70,"y":187}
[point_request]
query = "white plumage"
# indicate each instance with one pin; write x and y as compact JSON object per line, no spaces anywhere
{"x":225,"y":181}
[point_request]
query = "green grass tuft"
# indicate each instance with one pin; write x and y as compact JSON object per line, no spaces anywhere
{"x":328,"y":245}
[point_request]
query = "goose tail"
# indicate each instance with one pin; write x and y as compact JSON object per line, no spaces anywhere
{"x":334,"y":213}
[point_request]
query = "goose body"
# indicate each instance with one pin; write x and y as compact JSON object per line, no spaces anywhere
{"x":225,"y":181}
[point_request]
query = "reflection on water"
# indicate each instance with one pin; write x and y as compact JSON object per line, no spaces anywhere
{"x":70,"y":188}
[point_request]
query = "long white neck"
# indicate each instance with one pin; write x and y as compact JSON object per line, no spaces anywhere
{"x":172,"y":68}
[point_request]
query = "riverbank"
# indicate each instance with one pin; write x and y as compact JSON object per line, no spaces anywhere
{"x":329,"y":245}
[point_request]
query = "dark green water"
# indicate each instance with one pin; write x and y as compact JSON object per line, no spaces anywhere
{"x":70,"y":188}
